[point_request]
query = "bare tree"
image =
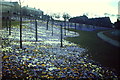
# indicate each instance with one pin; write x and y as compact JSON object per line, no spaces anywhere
{"x":36,"y":28}
{"x":20,"y":24}
{"x":9,"y":23}
{"x":106,"y":14}
{"x":57,"y":16}
{"x":47,"y":19}
{"x":52,"y":20}
{"x":52,"y":24}
{"x":61,"y":36}
{"x":65,"y":16}
{"x":75,"y":27}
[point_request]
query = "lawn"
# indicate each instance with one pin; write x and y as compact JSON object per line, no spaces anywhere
{"x":98,"y":49}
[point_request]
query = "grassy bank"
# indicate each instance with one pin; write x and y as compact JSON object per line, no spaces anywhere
{"x":98,"y":49}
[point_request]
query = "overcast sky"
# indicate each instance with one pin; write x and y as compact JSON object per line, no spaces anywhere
{"x":94,"y":8}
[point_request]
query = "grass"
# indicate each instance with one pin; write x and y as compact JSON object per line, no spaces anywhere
{"x":99,"y":50}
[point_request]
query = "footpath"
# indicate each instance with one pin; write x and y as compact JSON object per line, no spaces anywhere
{"x":108,"y":39}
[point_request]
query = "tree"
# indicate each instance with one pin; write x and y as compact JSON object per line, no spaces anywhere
{"x":52,"y":24}
{"x":47,"y":18}
{"x":75,"y":27}
{"x":25,"y":11}
{"x":9,"y":23}
{"x":117,"y":24}
{"x":61,"y":37}
{"x":52,"y":20}
{"x":36,"y":28}
{"x":20,"y":24}
{"x":57,"y":16}
{"x":65,"y":16}
{"x":106,"y":14}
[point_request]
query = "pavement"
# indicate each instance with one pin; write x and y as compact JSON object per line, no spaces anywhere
{"x":108,"y":39}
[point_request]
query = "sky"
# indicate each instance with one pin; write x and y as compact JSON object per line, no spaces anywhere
{"x":94,"y":8}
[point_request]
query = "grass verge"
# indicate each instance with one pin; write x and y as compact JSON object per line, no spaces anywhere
{"x":99,"y":50}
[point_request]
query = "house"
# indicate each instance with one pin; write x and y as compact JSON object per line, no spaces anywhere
{"x":79,"y":19}
{"x":13,"y":9}
{"x":101,"y":21}
{"x":8,"y":7}
{"x":31,"y":12}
